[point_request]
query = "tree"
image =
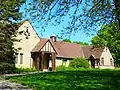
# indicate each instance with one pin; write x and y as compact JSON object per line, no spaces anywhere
{"x":9,"y":11}
{"x":81,"y":43}
{"x":109,"y":36}
{"x":77,"y":42}
{"x":67,"y":40}
{"x":7,"y":58}
{"x":84,"y":15}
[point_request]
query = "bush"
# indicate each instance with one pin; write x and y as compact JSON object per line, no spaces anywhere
{"x":6,"y":68}
{"x":79,"y":62}
{"x":61,"y":68}
{"x":22,"y":70}
{"x":64,"y":68}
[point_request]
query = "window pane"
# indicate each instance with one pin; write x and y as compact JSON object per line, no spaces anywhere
{"x":102,"y":61}
{"x":65,"y":60}
{"x":16,"y":58}
{"x":111,"y":61}
{"x":21,"y":58}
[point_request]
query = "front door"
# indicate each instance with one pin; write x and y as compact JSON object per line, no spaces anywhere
{"x":93,"y":63}
{"x":46,"y":61}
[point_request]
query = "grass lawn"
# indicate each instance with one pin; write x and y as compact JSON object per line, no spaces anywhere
{"x":72,"y":80}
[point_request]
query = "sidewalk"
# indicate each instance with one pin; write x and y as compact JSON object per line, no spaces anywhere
{"x":7,"y":85}
{"x":18,"y":74}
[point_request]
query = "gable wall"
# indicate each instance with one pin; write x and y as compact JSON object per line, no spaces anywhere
{"x":48,"y":47}
{"x":106,"y":55}
{"x":26,"y":45}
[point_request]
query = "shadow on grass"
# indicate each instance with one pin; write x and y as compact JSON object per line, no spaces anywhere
{"x":72,"y":80}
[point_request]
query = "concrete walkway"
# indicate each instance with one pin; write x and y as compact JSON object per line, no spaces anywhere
{"x":7,"y":85}
{"x":19,"y":74}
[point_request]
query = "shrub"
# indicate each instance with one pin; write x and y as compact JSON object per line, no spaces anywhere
{"x":22,"y":70}
{"x":63,"y":68}
{"x":79,"y":62}
{"x":6,"y":68}
{"x":60,"y":68}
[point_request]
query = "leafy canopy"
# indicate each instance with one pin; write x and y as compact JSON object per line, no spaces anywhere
{"x":67,"y":40}
{"x":84,"y":15}
{"x":81,"y":43}
{"x":109,"y":36}
{"x":9,"y":11}
{"x":77,"y":42}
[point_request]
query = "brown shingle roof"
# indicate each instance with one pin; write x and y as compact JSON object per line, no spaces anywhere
{"x":91,"y":50}
{"x":68,"y":50}
{"x":63,"y":49}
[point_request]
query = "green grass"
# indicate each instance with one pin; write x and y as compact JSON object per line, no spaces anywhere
{"x":72,"y":80}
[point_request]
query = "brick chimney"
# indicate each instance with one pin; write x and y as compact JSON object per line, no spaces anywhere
{"x":53,"y":37}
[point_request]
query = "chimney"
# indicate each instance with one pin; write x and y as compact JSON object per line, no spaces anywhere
{"x":53,"y":37}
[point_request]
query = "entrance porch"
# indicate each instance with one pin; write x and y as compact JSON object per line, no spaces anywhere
{"x":44,"y":61}
{"x":95,"y":63}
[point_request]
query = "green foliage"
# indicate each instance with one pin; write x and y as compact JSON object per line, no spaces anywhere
{"x":79,"y":62}
{"x":9,"y":11}
{"x":81,"y":14}
{"x":77,"y":42}
{"x":108,"y":36}
{"x":69,"y":68}
{"x":22,"y":70}
{"x":95,"y":79}
{"x":60,"y":68}
{"x":7,"y":32}
{"x":6,"y":68}
{"x":67,"y":40}
{"x":81,"y":43}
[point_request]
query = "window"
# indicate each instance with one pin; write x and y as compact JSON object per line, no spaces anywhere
{"x":102,"y":61}
{"x":16,"y":58}
{"x":21,"y":58}
{"x":111,"y":62}
{"x":96,"y":62}
{"x":64,"y":60}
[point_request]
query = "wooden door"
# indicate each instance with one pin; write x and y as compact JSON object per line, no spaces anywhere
{"x":46,"y":61}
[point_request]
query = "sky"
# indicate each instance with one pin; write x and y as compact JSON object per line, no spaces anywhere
{"x":49,"y":30}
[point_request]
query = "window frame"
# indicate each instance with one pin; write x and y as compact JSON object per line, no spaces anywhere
{"x":111,"y":61}
{"x":21,"y":58}
{"x":102,"y":60}
{"x":16,"y":58}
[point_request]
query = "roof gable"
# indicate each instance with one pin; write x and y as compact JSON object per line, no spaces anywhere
{"x":44,"y":45}
{"x":106,"y":53}
{"x":27,"y":36}
{"x":48,"y":46}
{"x":26,"y":24}
{"x":91,"y":50}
